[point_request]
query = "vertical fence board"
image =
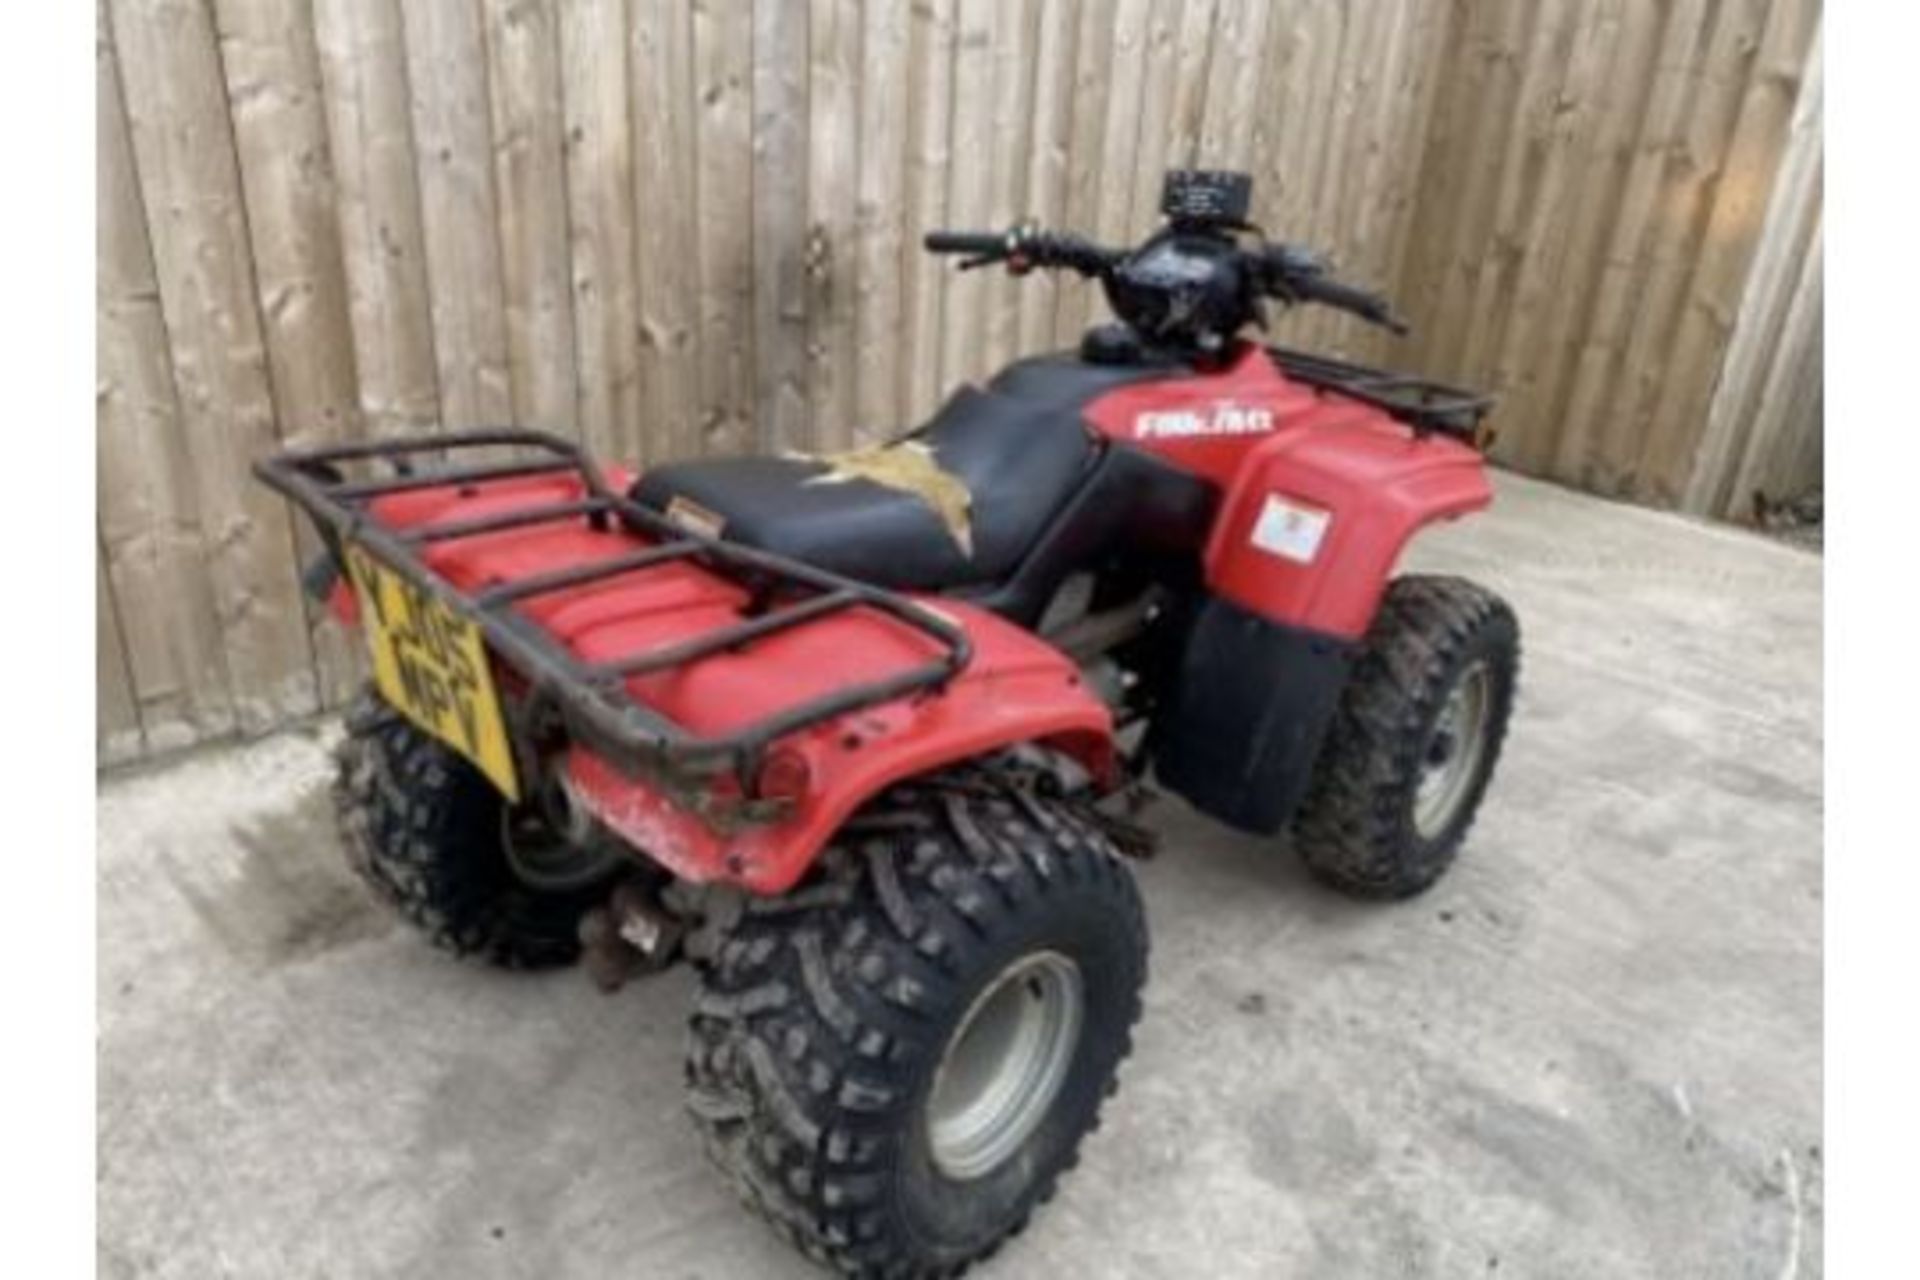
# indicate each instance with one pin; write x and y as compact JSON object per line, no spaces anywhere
{"x":833,"y":140}
{"x":1113,"y":213}
{"x":969,"y":185}
{"x":1311,"y":142}
{"x":661,"y":67}
{"x":1092,"y":64}
{"x":184,"y":154}
{"x":780,"y":222}
{"x":1056,"y":72}
{"x":1373,"y":52}
{"x":879,"y":218}
{"x":1014,"y":65}
{"x":1412,"y":125}
{"x":931,"y":50}
{"x":599,"y":169}
{"x":1279,"y":126}
{"x":1342,"y":50}
{"x":1152,"y":111}
{"x":1438,"y":175}
{"x":364,"y":75}
{"x":723,"y":168}
{"x":447,"y":77}
{"x":152,"y":556}
{"x":1398,"y":128}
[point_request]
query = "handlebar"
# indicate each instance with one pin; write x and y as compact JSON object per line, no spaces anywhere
{"x":1294,"y":274}
{"x":1286,"y":272}
{"x":1370,"y":307}
{"x":1024,"y":248}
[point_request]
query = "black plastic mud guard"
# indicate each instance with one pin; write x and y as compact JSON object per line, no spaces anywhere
{"x":1243,"y":725}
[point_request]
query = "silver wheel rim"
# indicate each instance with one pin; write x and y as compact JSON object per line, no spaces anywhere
{"x":1005,"y":1064}
{"x":1454,"y":751}
{"x":541,"y":858}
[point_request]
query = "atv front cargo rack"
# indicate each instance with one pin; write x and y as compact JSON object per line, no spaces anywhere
{"x":591,"y":699}
{"x":1421,"y":403}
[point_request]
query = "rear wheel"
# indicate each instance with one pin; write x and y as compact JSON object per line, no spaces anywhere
{"x":433,"y":837}
{"x":1415,"y":739}
{"x":896,"y":1061}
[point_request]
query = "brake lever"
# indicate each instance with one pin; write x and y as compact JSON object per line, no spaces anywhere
{"x":982,"y":260}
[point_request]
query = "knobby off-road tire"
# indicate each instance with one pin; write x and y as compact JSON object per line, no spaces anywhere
{"x":827,"y":1014}
{"x":1415,"y":740}
{"x":427,"y":831}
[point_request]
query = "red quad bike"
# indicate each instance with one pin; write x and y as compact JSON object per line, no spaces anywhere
{"x":858,"y":735}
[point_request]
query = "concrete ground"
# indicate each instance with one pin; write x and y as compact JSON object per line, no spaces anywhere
{"x":1592,"y":1051}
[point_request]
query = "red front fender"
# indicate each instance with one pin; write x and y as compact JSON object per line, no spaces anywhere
{"x":1317,"y":517}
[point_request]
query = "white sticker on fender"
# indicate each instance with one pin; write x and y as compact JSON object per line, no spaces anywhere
{"x":1291,"y":530}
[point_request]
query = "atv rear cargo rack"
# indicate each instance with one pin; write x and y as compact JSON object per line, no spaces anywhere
{"x":590,"y":697}
{"x":1421,"y":403}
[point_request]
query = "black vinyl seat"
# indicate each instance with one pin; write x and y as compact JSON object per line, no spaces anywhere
{"x":1017,"y":461}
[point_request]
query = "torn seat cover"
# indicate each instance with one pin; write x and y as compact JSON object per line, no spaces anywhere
{"x":956,"y":503}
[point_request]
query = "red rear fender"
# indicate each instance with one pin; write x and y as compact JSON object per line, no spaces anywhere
{"x":1017,"y":689}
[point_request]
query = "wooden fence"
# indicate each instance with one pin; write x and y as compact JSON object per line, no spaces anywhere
{"x":1595,"y":196}
{"x":669,"y":227}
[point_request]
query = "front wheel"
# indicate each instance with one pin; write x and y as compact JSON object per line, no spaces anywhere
{"x":1415,"y":740}
{"x":896,"y":1061}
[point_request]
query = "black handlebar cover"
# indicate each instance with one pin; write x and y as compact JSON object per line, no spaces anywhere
{"x":975,"y":242}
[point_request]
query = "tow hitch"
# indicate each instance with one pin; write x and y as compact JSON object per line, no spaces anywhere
{"x":631,"y":936}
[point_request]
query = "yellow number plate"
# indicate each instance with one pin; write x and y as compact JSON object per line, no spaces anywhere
{"x":431,"y":663}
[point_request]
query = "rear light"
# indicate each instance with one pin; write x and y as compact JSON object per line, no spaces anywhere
{"x":785,"y":776}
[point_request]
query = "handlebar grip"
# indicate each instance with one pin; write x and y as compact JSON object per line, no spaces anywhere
{"x":1368,"y":306}
{"x":974,"y":242}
